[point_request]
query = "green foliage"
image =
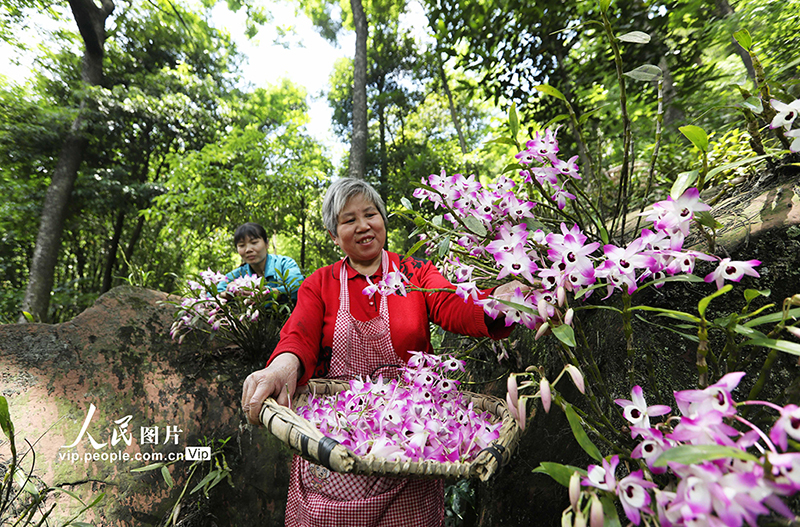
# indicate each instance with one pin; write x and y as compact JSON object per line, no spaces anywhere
{"x":23,"y":497}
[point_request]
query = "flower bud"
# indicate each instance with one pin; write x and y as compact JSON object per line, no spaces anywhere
{"x":512,"y":388}
{"x":568,"y":316}
{"x":596,"y":517}
{"x":575,"y":490}
{"x":512,"y":408}
{"x":523,"y":417}
{"x":577,"y":377}
{"x":547,"y":397}
{"x":566,"y":518}
{"x":561,"y":294}
{"x":542,"y":330}
{"x":542,"y":306}
{"x":580,"y":519}
{"x":794,"y":330}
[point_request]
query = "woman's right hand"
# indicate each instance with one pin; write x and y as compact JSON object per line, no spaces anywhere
{"x":278,"y":380}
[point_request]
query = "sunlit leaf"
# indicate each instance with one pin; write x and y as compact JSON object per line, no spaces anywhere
{"x":696,"y":135}
{"x":680,"y":315}
{"x":682,"y":182}
{"x":743,"y":38}
{"x":716,"y":170}
{"x":406,"y":203}
{"x":754,"y":104}
{"x":635,"y":37}
{"x":513,"y":120}
{"x":645,"y":73}
{"x":549,"y":90}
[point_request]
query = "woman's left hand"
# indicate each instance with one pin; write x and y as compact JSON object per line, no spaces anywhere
{"x":506,"y":291}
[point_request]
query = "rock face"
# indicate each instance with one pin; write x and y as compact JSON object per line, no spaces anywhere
{"x":109,"y":392}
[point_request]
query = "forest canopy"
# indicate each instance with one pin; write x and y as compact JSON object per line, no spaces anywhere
{"x":177,"y":150}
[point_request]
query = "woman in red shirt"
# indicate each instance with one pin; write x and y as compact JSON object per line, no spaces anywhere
{"x":338,"y":331}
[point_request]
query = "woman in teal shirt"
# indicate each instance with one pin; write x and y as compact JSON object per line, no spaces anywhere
{"x":250,"y":240}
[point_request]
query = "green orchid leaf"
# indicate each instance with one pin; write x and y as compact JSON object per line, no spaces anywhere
{"x":556,"y":119}
{"x":604,"y":5}
{"x":645,"y":73}
{"x":580,"y":433}
{"x":557,"y":471}
{"x":414,"y":248}
{"x":748,"y":332}
{"x":744,"y":39}
{"x":475,"y":225}
{"x":692,"y":454}
{"x":406,"y":203}
{"x":751,"y":294}
{"x":705,"y":219}
{"x":702,"y":305}
{"x":772,"y":318}
{"x":513,"y":120}
{"x":682,"y":182}
{"x":167,"y":476}
{"x":754,"y":104}
{"x":635,"y":37}
{"x":610,"y":515}
{"x":444,"y":246}
{"x":549,"y":90}
{"x":776,"y":344}
{"x":513,"y":167}
{"x":565,"y":334}
{"x":679,"y":315}
{"x":750,"y":160}
{"x":502,"y":141}
{"x":696,"y":135}
{"x":5,"y":419}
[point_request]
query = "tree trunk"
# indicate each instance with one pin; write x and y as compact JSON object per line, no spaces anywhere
{"x":453,"y":114}
{"x":111,"y":259}
{"x":725,"y":9}
{"x":358,"y":141}
{"x":303,"y":231}
{"x":90,"y":19}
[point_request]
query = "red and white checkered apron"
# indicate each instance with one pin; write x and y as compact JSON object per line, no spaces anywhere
{"x":321,"y":498}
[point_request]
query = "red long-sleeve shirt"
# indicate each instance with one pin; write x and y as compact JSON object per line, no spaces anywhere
{"x":309,"y":331}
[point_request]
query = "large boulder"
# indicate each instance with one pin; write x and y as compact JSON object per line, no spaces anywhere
{"x":152,"y":400}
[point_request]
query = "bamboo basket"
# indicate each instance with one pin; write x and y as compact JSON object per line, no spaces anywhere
{"x":307,"y":441}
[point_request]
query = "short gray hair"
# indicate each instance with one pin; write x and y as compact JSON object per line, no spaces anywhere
{"x":340,"y":192}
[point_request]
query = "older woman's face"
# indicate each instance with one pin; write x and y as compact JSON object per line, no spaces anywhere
{"x":360,"y":232}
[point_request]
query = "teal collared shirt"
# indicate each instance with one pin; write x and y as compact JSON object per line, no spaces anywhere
{"x":275,"y":267}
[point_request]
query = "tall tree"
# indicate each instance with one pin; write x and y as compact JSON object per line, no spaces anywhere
{"x":358,"y":141}
{"x":90,"y":18}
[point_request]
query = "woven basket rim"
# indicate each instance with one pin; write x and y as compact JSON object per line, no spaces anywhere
{"x":308,"y":442}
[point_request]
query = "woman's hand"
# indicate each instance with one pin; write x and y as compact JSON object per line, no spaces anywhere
{"x":506,"y":291}
{"x":278,"y":380}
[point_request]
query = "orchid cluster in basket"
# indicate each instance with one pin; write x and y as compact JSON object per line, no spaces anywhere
{"x":421,"y":416}
{"x":246,"y":312}
{"x":710,"y":472}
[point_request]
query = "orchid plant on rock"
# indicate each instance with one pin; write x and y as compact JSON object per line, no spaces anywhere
{"x":247,"y":312}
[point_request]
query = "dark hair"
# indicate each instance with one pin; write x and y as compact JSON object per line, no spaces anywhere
{"x":249,"y":230}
